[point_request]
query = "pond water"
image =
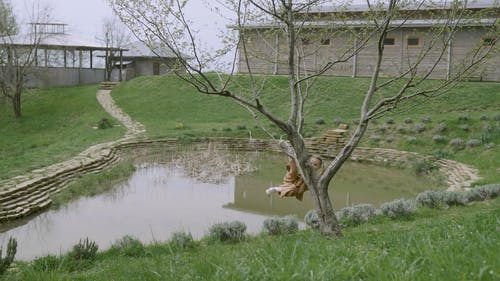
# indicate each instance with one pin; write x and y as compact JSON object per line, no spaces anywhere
{"x":159,"y":199}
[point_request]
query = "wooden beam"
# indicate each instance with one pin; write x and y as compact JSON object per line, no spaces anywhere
{"x":91,"y":62}
{"x":121,"y":65}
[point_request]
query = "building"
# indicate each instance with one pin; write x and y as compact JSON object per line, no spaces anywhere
{"x":330,"y":33}
{"x":57,"y":58}
{"x":141,"y":60}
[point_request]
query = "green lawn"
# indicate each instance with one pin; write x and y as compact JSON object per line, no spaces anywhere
{"x":460,"y":243}
{"x":56,"y":125}
{"x":169,"y":107}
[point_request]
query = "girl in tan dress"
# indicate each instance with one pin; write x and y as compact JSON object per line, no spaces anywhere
{"x":293,"y":184}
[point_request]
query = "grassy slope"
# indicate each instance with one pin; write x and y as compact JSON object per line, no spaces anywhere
{"x":57,"y":124}
{"x":456,"y":244}
{"x":170,"y":108}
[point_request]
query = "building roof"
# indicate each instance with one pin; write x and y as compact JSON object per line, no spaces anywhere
{"x":55,"y":41}
{"x":361,"y":23}
{"x":139,"y":49}
{"x":476,"y":4}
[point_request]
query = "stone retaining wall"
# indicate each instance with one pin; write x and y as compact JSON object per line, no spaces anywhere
{"x":21,"y":199}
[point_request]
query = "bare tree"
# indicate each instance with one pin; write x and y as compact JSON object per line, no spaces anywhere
{"x":8,"y":23}
{"x":166,"y":22}
{"x":114,"y":35}
{"x":18,"y":53}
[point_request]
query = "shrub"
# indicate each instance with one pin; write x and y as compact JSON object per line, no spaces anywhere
{"x":308,"y":134}
{"x":179,"y":126}
{"x":431,"y":199}
{"x":426,"y":119}
{"x":411,"y":140}
{"x":82,"y":255}
{"x":439,"y":153}
{"x":488,"y":191}
{"x":454,"y":198}
{"x":182,"y":240}
{"x":6,"y":261}
{"x":355,"y":121}
{"x":457,"y":143}
{"x":473,"y":143}
{"x":389,"y":139}
{"x":441,"y":127}
{"x":338,"y":121}
{"x":320,"y":122}
{"x":129,"y":246}
{"x":84,"y":250}
{"x":227,"y":129}
{"x":104,"y":123}
{"x":389,"y":121}
{"x":214,"y":129}
{"x":419,"y":127}
{"x":464,"y":127}
{"x":474,"y":195}
{"x":228,"y":231}
{"x":401,"y":130}
{"x":408,"y":120}
{"x":375,"y":138}
{"x":423,"y":166}
{"x":463,"y":117}
{"x":382,"y":129}
{"x":496,"y":117}
{"x":356,"y":214}
{"x":483,"y":117}
{"x":490,"y":134}
{"x":46,"y":264}
{"x":312,"y":219}
{"x":439,"y":138}
{"x":241,"y":127}
{"x":398,"y":208}
{"x":279,"y":226}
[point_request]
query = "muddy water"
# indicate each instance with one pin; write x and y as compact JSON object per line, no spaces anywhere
{"x":159,"y":199}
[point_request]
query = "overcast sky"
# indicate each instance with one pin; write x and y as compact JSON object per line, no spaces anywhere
{"x":85,"y":17}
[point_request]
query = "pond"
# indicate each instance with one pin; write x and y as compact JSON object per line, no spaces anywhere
{"x":159,"y":199}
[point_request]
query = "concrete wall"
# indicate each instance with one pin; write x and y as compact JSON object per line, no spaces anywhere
{"x":267,"y":49}
{"x":41,"y":77}
{"x":143,"y":67}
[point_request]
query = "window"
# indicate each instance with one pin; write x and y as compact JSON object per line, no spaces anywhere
{"x":389,"y":41}
{"x":413,"y":41}
{"x":325,"y":41}
{"x":488,"y":41}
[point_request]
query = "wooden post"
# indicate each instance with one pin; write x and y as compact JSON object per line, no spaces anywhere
{"x":46,"y":57}
{"x":65,"y":59}
{"x":277,"y":56}
{"x":355,"y":58}
{"x":448,"y":63}
{"x":80,"y":57}
{"x":91,"y":62}
{"x":401,"y":50}
{"x":121,"y":64}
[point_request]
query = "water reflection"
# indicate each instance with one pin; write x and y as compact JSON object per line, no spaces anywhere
{"x":158,"y":200}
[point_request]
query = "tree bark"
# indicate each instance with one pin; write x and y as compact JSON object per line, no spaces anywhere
{"x":329,"y":225}
{"x":16,"y":103}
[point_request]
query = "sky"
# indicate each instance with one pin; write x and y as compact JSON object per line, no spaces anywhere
{"x":85,"y":17}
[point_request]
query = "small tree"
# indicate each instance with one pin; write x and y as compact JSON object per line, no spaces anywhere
{"x":166,"y":22}
{"x":114,"y":35}
{"x":18,"y":54}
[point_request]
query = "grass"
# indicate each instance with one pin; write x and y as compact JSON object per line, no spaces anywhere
{"x":169,"y":107}
{"x":56,"y":125}
{"x":459,"y":243}
{"x":94,"y":184}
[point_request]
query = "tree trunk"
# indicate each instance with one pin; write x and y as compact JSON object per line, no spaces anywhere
{"x":16,"y":103}
{"x":328,"y":221}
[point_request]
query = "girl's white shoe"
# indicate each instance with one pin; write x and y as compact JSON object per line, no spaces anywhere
{"x":272,"y":190}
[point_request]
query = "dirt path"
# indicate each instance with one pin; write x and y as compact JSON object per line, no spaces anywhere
{"x":134,"y":128}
